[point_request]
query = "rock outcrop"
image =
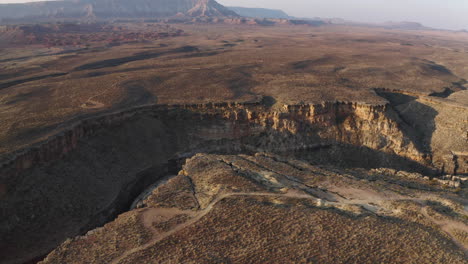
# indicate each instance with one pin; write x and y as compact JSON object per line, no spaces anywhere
{"x":300,"y":127}
{"x":92,"y":169}
{"x":265,"y":208}
{"x":108,"y":9}
{"x":259,"y":12}
{"x":439,"y":126}
{"x":209,"y":8}
{"x":81,"y":34}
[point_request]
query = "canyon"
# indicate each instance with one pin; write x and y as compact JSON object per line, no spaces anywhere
{"x":292,"y":143}
{"x":108,"y":160}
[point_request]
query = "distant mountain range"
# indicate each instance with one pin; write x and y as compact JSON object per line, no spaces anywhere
{"x":105,"y":9}
{"x":403,"y":25}
{"x":157,"y":9}
{"x":259,"y":12}
{"x":279,"y":14}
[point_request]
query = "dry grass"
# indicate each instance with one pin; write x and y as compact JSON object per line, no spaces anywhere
{"x":355,"y":220}
{"x":297,"y":232}
{"x":228,"y":63}
{"x":103,"y":244}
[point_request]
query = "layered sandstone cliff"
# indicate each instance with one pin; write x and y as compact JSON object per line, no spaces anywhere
{"x":299,"y":126}
{"x":91,"y":169}
{"x":104,"y":9}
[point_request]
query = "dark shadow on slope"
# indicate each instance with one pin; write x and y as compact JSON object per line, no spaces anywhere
{"x":137,"y":94}
{"x":419,"y":119}
{"x":444,"y":94}
{"x":11,"y":74}
{"x":200,"y":55}
{"x":241,"y":82}
{"x":268,"y":101}
{"x":99,"y":179}
{"x":31,"y":79}
{"x":455,"y":87}
{"x":136,"y":57}
{"x":309,"y":64}
{"x":432,"y":68}
{"x":126,"y":70}
{"x":25,"y":96}
{"x":349,"y":156}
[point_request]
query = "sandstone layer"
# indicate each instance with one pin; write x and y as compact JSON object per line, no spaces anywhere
{"x":313,"y":140}
{"x":89,"y":172}
{"x":103,"y":9}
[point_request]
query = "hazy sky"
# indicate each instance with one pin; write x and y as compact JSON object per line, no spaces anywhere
{"x":451,"y":14}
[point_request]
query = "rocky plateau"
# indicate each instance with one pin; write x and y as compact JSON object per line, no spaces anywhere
{"x":221,"y":139}
{"x":91,"y":171}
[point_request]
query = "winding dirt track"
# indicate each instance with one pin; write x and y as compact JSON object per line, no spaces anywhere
{"x":449,"y":227}
{"x":151,"y":215}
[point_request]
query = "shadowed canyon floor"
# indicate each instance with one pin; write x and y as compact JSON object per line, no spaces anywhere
{"x":328,"y":144}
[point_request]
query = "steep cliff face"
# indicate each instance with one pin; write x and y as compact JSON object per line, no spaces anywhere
{"x":300,"y":126}
{"x":373,"y":126}
{"x":260,"y":12}
{"x":210,"y":8}
{"x":438,"y":125}
{"x":114,"y":9}
{"x":91,"y":171}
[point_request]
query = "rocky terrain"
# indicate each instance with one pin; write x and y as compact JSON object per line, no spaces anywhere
{"x":83,"y":34}
{"x":290,"y":212}
{"x":103,"y":9}
{"x":259,"y":12}
{"x":137,"y":148}
{"x":175,"y":12}
{"x":237,"y":144}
